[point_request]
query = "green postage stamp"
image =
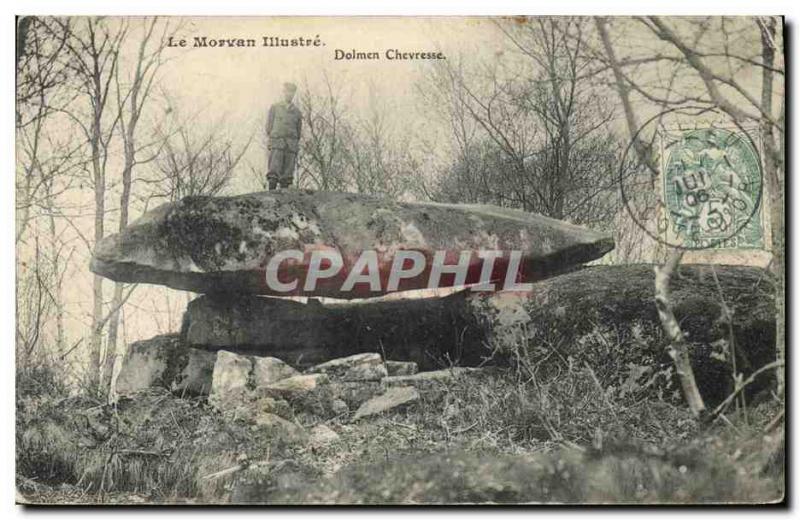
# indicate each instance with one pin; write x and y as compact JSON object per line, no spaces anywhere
{"x":712,"y":190}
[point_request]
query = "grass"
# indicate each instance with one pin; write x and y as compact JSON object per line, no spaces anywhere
{"x":502,"y":435}
{"x":156,"y":445}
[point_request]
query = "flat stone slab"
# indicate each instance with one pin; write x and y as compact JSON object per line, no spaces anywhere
{"x":401,"y":368}
{"x":308,"y":334}
{"x":426,"y":379}
{"x":224,"y":244}
{"x":294,"y":386}
{"x":163,"y":361}
{"x":355,"y":393}
{"x":392,"y":398}
{"x":358,"y":367}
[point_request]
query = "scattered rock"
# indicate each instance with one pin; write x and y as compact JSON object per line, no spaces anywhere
{"x":295,"y":386}
{"x":358,"y":367}
{"x":268,"y":370}
{"x":249,"y":408}
{"x":339,"y":407}
{"x":196,"y":376}
{"x":392,"y":398}
{"x":230,"y":379}
{"x":428,"y":379}
{"x":278,"y":426}
{"x":354,"y":393}
{"x":321,"y":435}
{"x":401,"y":368}
{"x":146,"y":364}
{"x":274,"y":406}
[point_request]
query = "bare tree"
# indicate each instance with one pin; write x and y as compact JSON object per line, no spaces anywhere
{"x":44,"y":155}
{"x":47,"y":162}
{"x":192,"y":164}
{"x":41,"y":67}
{"x":33,"y":307}
{"x":345,"y":150}
{"x":94,"y":49}
{"x":132,"y":95}
{"x":380,"y":157}
{"x":676,"y":347}
{"x":531,"y":130}
{"x":687,"y":70}
{"x":83,"y":106}
{"x":326,"y":132}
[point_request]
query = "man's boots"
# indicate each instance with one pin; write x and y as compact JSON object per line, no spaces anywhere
{"x":286,"y":184}
{"x":273,"y":184}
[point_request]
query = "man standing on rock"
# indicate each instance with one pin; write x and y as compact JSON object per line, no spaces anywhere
{"x":284,"y":123}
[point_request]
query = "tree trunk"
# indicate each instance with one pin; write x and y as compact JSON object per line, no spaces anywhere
{"x":677,"y":347}
{"x":96,"y":345}
{"x":773,"y":174}
{"x":136,"y":102}
{"x":116,"y":302}
{"x":58,"y":279}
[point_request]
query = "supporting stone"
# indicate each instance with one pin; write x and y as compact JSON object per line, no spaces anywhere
{"x":432,"y":332}
{"x":604,"y":316}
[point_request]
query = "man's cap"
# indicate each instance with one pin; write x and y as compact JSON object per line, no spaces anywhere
{"x":290,"y":86}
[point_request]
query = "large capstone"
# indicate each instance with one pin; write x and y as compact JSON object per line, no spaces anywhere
{"x":225,"y":244}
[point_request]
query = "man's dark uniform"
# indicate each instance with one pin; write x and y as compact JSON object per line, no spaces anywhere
{"x":284,"y":122}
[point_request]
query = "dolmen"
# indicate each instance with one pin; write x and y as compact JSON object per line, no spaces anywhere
{"x":527,"y":293}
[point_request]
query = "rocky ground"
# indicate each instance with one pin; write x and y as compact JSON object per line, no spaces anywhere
{"x":363,"y":430}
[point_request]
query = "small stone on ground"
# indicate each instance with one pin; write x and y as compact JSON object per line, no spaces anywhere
{"x":401,"y":368}
{"x":358,"y":367}
{"x":230,"y":378}
{"x":392,"y":398}
{"x":268,"y":370}
{"x":426,"y":379}
{"x":294,"y":386}
{"x":322,"y":435}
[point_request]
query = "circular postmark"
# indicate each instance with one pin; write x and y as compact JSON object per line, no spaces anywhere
{"x":707,"y":194}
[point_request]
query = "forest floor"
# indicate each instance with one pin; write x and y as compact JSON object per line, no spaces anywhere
{"x":497,"y":438}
